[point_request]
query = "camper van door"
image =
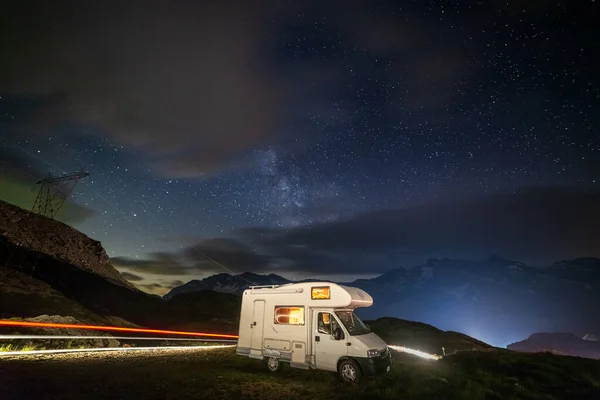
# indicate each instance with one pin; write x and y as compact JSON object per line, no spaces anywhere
{"x":257,"y":326}
{"x":327,"y":349}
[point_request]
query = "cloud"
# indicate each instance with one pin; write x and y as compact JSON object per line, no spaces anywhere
{"x":150,"y":283}
{"x":158,"y":263}
{"x":131,"y":277}
{"x":227,"y":252}
{"x":153,"y":288}
{"x":197,"y":259}
{"x":195,"y":85}
{"x":536,"y":225}
{"x":180,"y":80}
{"x":173,"y":283}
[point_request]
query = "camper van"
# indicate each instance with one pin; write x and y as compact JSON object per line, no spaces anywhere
{"x":311,"y":325}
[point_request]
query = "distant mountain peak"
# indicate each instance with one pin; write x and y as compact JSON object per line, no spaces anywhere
{"x":502,"y":261}
{"x":558,"y":343}
{"x":590,"y":337}
{"x":227,"y":283}
{"x":432,"y":262}
{"x":593,"y":262}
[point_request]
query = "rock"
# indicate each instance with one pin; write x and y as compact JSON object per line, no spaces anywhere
{"x":37,"y":233}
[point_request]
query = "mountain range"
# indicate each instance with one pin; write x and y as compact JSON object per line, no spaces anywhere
{"x":227,"y":283}
{"x":497,"y":300}
{"x":558,"y":343}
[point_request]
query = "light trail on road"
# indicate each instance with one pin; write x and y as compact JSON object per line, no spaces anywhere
{"x":58,"y":337}
{"x":99,"y":349}
{"x":206,"y":335}
{"x":112,"y":328}
{"x":417,"y":353}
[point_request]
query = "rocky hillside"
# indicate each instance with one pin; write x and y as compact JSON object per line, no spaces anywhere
{"x":43,"y":235}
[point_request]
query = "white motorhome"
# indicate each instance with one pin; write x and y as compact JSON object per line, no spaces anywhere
{"x":311,"y":325}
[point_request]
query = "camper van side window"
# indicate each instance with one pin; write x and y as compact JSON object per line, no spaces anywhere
{"x":326,"y":323}
{"x":289,"y":315}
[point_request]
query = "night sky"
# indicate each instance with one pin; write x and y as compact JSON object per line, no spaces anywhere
{"x":309,"y":139}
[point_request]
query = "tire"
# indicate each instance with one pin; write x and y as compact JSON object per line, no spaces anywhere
{"x":273,"y":364}
{"x":349,"y":372}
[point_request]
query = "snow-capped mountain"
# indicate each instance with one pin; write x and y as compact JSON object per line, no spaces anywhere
{"x":226,"y":283}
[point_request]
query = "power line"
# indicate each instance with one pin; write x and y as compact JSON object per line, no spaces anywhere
{"x":54,"y":191}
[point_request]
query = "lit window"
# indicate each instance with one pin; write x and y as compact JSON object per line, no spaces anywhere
{"x":320,"y":293}
{"x":289,"y":315}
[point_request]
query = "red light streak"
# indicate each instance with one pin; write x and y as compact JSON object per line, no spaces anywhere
{"x":112,"y":328}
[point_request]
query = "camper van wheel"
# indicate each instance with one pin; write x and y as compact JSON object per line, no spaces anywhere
{"x":349,"y":371}
{"x":273,"y":364}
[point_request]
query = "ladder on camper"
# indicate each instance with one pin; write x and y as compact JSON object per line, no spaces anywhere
{"x":264,"y":287}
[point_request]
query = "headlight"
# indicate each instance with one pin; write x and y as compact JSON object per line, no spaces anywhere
{"x":372,"y":353}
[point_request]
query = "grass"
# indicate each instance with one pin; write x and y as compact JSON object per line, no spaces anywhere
{"x":4,"y":348}
{"x":31,"y":347}
{"x":221,"y":374}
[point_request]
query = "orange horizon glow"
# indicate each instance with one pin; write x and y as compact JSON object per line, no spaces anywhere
{"x":112,"y":328}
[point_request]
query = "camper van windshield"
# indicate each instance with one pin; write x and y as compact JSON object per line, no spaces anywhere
{"x":352,"y":323}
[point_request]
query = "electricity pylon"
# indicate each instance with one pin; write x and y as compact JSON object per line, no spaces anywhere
{"x":54,"y":191}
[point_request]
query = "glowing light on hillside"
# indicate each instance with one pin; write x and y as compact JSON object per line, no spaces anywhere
{"x":112,"y":328}
{"x":417,"y":353}
{"x":99,"y":349}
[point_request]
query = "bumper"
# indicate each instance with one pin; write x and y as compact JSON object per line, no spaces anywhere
{"x":374,"y":366}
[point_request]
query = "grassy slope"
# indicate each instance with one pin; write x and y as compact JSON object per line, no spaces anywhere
{"x":24,"y":297}
{"x":222,"y":374}
{"x":205,"y":309}
{"x":423,"y":337}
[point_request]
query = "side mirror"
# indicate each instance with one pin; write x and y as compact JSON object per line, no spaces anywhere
{"x":338,"y":334}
